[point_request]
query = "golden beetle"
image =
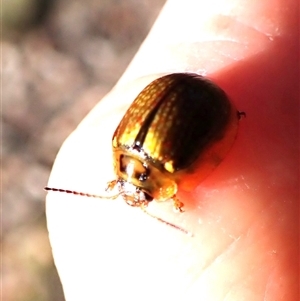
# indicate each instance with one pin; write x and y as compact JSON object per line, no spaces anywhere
{"x":176,"y":131}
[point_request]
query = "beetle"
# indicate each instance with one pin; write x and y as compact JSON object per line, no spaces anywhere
{"x":176,"y":131}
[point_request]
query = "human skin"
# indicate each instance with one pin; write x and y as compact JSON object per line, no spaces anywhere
{"x":244,"y":215}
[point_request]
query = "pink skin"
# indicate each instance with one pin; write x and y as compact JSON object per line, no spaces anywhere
{"x":243,"y":216}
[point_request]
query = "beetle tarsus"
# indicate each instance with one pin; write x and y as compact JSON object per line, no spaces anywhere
{"x":111,"y":185}
{"x":241,"y":114}
{"x":177,"y":205}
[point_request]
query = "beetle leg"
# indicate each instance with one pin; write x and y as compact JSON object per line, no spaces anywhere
{"x":177,"y":205}
{"x":111,"y":185}
{"x":241,"y":114}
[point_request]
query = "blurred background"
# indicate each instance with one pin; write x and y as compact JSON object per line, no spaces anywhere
{"x":59,"y":58}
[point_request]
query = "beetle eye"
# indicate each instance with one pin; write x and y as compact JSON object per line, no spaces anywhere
{"x":143,"y":177}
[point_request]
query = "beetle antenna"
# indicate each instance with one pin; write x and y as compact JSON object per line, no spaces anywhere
{"x":112,"y":197}
{"x":167,"y":223}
